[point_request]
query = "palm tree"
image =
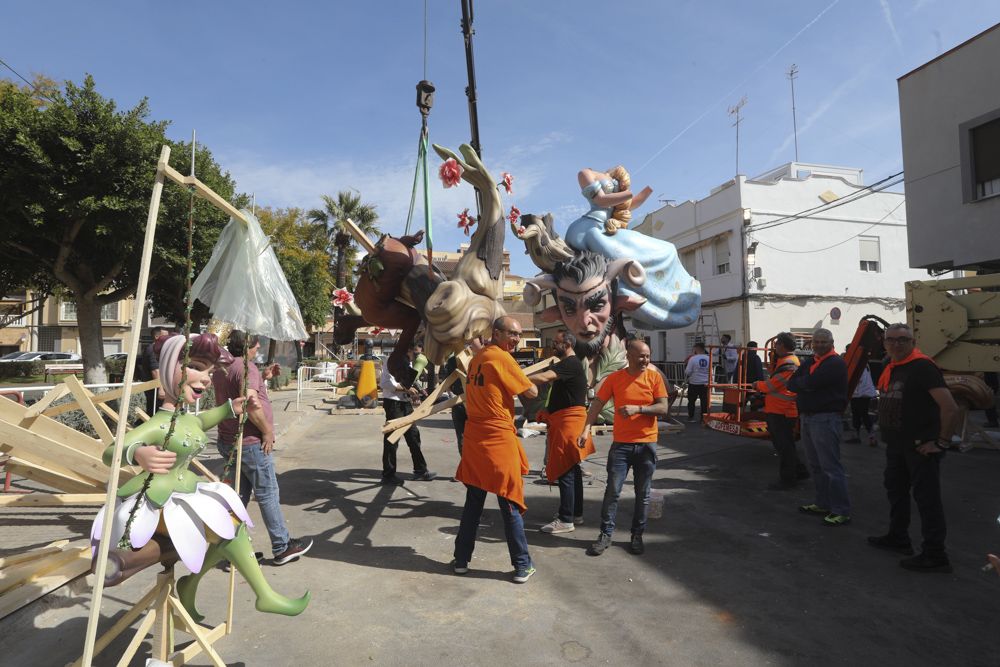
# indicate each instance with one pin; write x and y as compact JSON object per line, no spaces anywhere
{"x":333,"y":218}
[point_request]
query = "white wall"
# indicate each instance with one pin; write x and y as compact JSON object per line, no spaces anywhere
{"x":934,"y":100}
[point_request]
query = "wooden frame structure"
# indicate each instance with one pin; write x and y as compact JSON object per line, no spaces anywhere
{"x":165,"y":605}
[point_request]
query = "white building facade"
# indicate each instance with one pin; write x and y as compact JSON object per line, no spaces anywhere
{"x":800,"y":247}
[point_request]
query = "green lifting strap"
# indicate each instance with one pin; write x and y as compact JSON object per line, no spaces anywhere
{"x":422,"y":168}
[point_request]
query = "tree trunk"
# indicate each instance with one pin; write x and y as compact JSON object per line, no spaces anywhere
{"x":88,"y":321}
{"x":270,"y":351}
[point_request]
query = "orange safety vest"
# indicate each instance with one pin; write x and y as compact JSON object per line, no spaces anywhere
{"x":778,"y":399}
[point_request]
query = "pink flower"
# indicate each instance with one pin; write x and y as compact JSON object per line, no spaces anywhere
{"x":507,"y":183}
{"x":341,"y":297}
{"x":377,"y":330}
{"x":520,"y":231}
{"x":515,"y":213}
{"x":450,"y":173}
{"x":466,"y":221}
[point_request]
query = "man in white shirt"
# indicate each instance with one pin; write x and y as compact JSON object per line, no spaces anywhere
{"x":728,"y":358}
{"x":396,"y":403}
{"x":696,"y":373}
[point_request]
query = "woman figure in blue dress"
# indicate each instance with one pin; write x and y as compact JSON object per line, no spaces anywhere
{"x":673,"y":298}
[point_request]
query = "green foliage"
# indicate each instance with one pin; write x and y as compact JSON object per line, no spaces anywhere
{"x":21,"y":369}
{"x":333,"y":219}
{"x":78,"y":421}
{"x":301,"y":249}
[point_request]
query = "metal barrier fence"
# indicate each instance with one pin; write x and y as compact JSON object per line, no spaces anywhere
{"x":327,"y":373}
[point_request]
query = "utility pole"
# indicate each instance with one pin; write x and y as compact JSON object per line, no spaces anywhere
{"x":735,"y":111}
{"x":793,"y":71}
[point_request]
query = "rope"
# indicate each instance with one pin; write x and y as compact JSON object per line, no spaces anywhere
{"x":238,"y":441}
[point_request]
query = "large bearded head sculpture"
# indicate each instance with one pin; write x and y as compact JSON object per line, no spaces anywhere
{"x":586,"y":297}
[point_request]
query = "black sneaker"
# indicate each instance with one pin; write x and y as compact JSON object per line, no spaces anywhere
{"x":924,"y":563}
{"x":392,"y":481}
{"x":889,"y":544}
{"x":600,"y":546}
{"x":295,"y":548}
{"x":636,"y":546}
{"x":424,"y":476}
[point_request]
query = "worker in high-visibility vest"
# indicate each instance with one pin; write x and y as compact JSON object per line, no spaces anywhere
{"x":781,"y":413}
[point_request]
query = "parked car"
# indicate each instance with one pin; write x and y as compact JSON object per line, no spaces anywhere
{"x":45,"y":356}
{"x":10,"y":356}
{"x":116,"y":355}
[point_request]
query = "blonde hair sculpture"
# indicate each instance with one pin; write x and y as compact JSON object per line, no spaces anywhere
{"x":621,"y":214}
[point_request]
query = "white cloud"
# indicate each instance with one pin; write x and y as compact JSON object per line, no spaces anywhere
{"x":887,"y":14}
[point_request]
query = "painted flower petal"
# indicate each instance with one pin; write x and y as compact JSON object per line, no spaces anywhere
{"x":226,"y":495}
{"x":147,"y":518}
{"x":213,"y":513}
{"x":187,"y":533}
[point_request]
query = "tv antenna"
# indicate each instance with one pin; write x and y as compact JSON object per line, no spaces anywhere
{"x":793,"y":72}
{"x":735,"y":111}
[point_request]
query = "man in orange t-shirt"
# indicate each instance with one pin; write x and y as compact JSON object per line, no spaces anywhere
{"x":493,"y":460}
{"x":640,"y":397}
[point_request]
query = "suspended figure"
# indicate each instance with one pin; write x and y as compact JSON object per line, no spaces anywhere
{"x":670,"y":297}
{"x":397,"y":290}
{"x":205,"y":522}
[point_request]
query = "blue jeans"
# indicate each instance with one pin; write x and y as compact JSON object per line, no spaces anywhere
{"x":821,"y":433}
{"x":571,"y":494}
{"x":257,"y":475}
{"x":641,"y":457}
{"x":513,"y":525}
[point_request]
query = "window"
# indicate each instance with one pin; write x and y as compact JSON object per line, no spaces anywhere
{"x":985,"y":141}
{"x":979,"y":147}
{"x":67,"y":311}
{"x":112,"y":346}
{"x":689,"y":262}
{"x":869,"y":252}
{"x":720,"y":249}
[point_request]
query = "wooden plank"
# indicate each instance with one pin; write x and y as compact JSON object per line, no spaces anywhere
{"x":125,"y":621}
{"x":83,"y":397}
{"x":398,"y":432}
{"x":44,"y":402}
{"x":187,"y":654}
{"x":194,"y":630}
{"x":45,"y":584}
{"x":26,"y":572}
{"x":204,"y":192}
{"x":42,"y":499}
{"x":57,"y":480}
{"x":204,"y":471}
{"x":13,"y":413}
{"x":103,"y":397}
{"x":163,"y":639}
{"x":34,"y":553}
{"x":137,"y":638}
{"x":44,"y":452}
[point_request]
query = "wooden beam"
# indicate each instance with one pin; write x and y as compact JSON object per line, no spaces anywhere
{"x":204,"y":192}
{"x":126,"y":620}
{"x":103,"y":397}
{"x":46,"y":583}
{"x":26,"y":572}
{"x":83,"y":397}
{"x":195,"y":630}
{"x":188,"y":653}
{"x":41,"y":499}
{"x":33,"y":554}
{"x":44,"y":452}
{"x":57,"y":480}
{"x":13,"y":413}
{"x":45,"y":401}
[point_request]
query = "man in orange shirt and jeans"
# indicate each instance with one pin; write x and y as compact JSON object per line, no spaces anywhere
{"x":493,"y":460}
{"x":640,"y":397}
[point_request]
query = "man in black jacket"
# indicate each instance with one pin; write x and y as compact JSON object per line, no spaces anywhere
{"x":915,"y":413}
{"x":820,"y":385}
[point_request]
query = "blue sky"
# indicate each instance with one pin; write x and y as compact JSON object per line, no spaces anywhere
{"x":299,"y":99}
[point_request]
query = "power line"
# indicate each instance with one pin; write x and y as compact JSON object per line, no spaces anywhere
{"x":807,"y":252}
{"x":33,"y":86}
{"x":874,"y":188}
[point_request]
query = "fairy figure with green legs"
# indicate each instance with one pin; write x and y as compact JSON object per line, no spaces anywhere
{"x":205,"y":521}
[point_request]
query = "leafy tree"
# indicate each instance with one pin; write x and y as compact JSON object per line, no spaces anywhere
{"x":77,"y":173}
{"x":333,"y":219}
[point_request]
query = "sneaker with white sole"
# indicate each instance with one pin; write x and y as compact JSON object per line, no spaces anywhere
{"x":557,"y":526}
{"x":293,"y":551}
{"x":521,"y":576}
{"x":460,"y":567}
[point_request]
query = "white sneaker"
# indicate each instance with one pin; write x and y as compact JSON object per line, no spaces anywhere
{"x":557,"y":526}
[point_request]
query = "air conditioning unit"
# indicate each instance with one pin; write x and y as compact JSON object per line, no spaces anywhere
{"x":761,"y":283}
{"x":758,"y":272}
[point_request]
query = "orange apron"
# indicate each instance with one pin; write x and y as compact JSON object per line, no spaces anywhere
{"x":493,"y":460}
{"x":565,"y":427}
